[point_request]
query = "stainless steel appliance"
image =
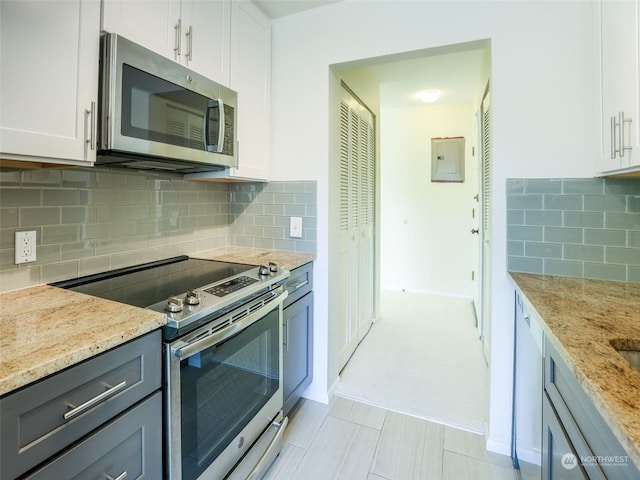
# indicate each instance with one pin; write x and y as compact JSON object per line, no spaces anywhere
{"x":222,"y":345}
{"x":156,"y":114}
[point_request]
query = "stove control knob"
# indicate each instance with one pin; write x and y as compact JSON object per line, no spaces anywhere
{"x":263,"y":270}
{"x":174,"y":305}
{"x":273,"y":267}
{"x":192,"y":297}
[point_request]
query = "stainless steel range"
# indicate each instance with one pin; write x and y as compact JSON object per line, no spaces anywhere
{"x":222,"y":347}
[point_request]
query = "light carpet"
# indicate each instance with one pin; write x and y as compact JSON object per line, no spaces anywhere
{"x":423,"y":358}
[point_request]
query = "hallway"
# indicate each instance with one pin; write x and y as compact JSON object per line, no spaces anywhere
{"x":422,"y":358}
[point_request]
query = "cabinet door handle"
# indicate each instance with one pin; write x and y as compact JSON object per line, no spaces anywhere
{"x":613,"y":138}
{"x":621,"y":123}
{"x":178,"y":39}
{"x":122,"y":476}
{"x":95,"y":400}
{"x":301,"y":284}
{"x":92,"y":125}
{"x":621,"y":133}
{"x":286,"y":334}
{"x":189,"y":36}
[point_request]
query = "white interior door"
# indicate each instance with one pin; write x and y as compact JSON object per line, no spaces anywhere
{"x":485,"y":142}
{"x":357,"y":213}
{"x":476,"y":225}
{"x":366,"y":214}
{"x":348,"y":235}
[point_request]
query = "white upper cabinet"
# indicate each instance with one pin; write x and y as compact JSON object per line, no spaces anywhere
{"x":251,"y":78}
{"x":619,"y":113}
{"x":195,"y":33}
{"x":250,"y":63}
{"x":207,"y":33}
{"x":49,"y":76}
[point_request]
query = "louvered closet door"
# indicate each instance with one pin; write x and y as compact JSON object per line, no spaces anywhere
{"x":486,"y":225}
{"x":357,"y":213}
{"x":348,"y":234}
{"x":366,"y":216}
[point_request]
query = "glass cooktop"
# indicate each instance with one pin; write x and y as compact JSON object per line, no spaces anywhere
{"x":149,"y":283}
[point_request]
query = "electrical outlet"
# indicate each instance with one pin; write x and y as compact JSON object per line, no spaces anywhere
{"x":25,"y":247}
{"x":295,"y":227}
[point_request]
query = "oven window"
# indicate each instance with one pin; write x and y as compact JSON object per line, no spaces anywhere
{"x":160,"y":111}
{"x":222,"y":389}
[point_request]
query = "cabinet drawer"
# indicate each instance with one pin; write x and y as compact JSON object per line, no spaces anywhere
{"x":128,"y":447}
{"x":299,"y":283}
{"x":560,"y":461}
{"x":43,"y":418}
{"x":590,"y":435}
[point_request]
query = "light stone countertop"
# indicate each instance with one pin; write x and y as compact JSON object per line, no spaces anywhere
{"x":580,"y":317}
{"x":46,"y":329}
{"x":256,"y":256}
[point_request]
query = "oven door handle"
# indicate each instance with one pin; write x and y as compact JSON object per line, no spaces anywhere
{"x":216,"y":337}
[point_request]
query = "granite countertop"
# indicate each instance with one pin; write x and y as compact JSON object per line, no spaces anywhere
{"x":580,"y":317}
{"x":46,"y":329}
{"x":256,"y":256}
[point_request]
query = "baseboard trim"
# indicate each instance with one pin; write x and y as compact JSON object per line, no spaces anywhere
{"x":429,"y":292}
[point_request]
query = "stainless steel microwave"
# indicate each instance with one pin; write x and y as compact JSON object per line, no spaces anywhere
{"x":156,"y":114}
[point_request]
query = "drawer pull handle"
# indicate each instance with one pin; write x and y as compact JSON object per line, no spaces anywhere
{"x":95,"y":400}
{"x":301,"y":284}
{"x":122,"y":476}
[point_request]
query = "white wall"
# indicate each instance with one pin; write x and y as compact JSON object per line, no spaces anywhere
{"x":426,"y":244}
{"x":541,"y":115}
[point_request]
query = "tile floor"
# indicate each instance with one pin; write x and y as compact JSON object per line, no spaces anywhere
{"x":372,"y":431}
{"x":350,"y":440}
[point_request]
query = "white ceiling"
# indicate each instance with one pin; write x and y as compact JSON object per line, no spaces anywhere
{"x":281,"y":8}
{"x":456,"y":75}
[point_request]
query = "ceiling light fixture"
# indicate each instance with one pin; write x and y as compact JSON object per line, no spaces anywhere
{"x":429,"y":96}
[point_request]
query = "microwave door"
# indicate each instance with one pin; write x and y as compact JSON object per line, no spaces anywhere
{"x":214,"y":126}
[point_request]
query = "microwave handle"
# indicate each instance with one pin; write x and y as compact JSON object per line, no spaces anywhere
{"x":214,"y":103}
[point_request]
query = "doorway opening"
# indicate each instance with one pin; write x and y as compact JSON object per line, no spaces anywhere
{"x":429,"y":235}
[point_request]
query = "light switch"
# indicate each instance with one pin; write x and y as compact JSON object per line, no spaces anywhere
{"x":295,"y":227}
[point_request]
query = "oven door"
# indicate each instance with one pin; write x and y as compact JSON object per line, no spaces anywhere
{"x":224,"y":389}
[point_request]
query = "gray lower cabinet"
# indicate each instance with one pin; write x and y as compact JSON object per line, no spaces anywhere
{"x":298,"y":336}
{"x":41,"y":421}
{"x":127,"y":447}
{"x":559,"y":461}
{"x":572,"y":427}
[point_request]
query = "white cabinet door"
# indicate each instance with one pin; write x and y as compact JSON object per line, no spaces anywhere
{"x":251,"y":78}
{"x":206,"y":33}
{"x":49,"y":77}
{"x":619,"y":57}
{"x":195,"y":33}
{"x":150,"y":23}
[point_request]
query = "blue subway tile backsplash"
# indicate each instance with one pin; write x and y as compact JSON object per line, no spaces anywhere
{"x":577,"y":227}
{"x":92,"y":220}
